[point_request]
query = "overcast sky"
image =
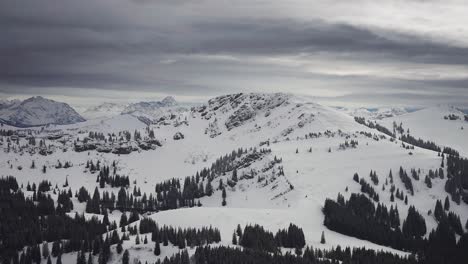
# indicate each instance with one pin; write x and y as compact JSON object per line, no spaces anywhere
{"x":370,"y":53}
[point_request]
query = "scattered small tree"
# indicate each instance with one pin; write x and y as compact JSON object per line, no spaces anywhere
{"x":322,"y":238}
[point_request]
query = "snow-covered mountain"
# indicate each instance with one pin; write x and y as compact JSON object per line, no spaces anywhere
{"x":433,"y":124}
{"x":269,"y":159}
{"x":37,"y":111}
{"x":8,"y":103}
{"x":147,"y":111}
{"x":104,"y":110}
{"x":374,"y":113}
{"x":152,"y":111}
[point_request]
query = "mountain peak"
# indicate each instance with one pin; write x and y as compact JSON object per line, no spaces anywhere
{"x":37,"y":111}
{"x":169,"y":101}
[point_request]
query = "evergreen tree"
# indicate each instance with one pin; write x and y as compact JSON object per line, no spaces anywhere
{"x":123,"y":220}
{"x":439,"y":213}
{"x":322,"y":238}
{"x":224,"y":197}
{"x":157,"y":248}
{"x":446,"y":204}
{"x":125,"y":257}
{"x":414,"y":225}
{"x":356,"y":177}
{"x":119,"y":248}
{"x":45,"y":250}
{"x":234,"y":175}
{"x":209,"y":188}
{"x":59,"y":259}
{"x":234,"y":239}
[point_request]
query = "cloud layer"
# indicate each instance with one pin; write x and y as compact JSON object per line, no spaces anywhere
{"x":360,"y":51}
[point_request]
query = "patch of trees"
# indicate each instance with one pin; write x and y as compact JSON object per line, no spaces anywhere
{"x":25,"y":222}
{"x":374,"y":177}
{"x":292,"y":237}
{"x":115,"y":180}
{"x":457,"y":174}
{"x":351,"y":144}
{"x":190,"y":237}
{"x":452,"y":219}
{"x":256,"y":237}
{"x":374,"y":125}
{"x":406,"y":180}
{"x":414,"y":226}
{"x":451,"y":117}
{"x":65,"y":165}
{"x":407,"y":138}
{"x":367,"y":188}
{"x":359,"y":217}
{"x":427,"y":145}
{"x":228,"y":255}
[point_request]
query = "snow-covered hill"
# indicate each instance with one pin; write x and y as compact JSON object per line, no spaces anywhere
{"x":374,"y":113}
{"x":431,"y":124}
{"x":275,"y":157}
{"x":154,"y":111}
{"x":104,"y":110}
{"x":37,"y":111}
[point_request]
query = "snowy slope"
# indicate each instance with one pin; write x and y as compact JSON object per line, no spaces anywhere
{"x":374,"y":113}
{"x":37,"y":111}
{"x":306,"y":137}
{"x":104,"y":110}
{"x":153,"y":111}
{"x":429,"y":123}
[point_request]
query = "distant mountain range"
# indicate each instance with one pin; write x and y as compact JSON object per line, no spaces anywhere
{"x":146,"y":111}
{"x":37,"y":111}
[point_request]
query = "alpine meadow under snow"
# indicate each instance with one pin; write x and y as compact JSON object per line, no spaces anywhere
{"x":241,"y":178}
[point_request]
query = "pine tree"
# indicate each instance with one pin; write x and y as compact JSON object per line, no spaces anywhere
{"x":80,"y":258}
{"x":239,"y":231}
{"x":322,"y":238}
{"x":59,"y":259}
{"x":49,"y":261}
{"x":439,"y":213}
{"x":45,"y":250}
{"x":123,"y":220}
{"x":234,"y":174}
{"x":234,"y":239}
{"x":157,"y":248}
{"x":224,"y":197}
{"x":356,"y":177}
{"x":90,"y":258}
{"x":119,"y":248}
{"x":125,"y":257}
{"x":446,"y":204}
{"x":209,"y":188}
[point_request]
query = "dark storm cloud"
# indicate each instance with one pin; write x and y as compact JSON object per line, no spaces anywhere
{"x":109,"y":45}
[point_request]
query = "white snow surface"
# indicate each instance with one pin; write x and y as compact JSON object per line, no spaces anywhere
{"x":429,"y":124}
{"x":276,"y":121}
